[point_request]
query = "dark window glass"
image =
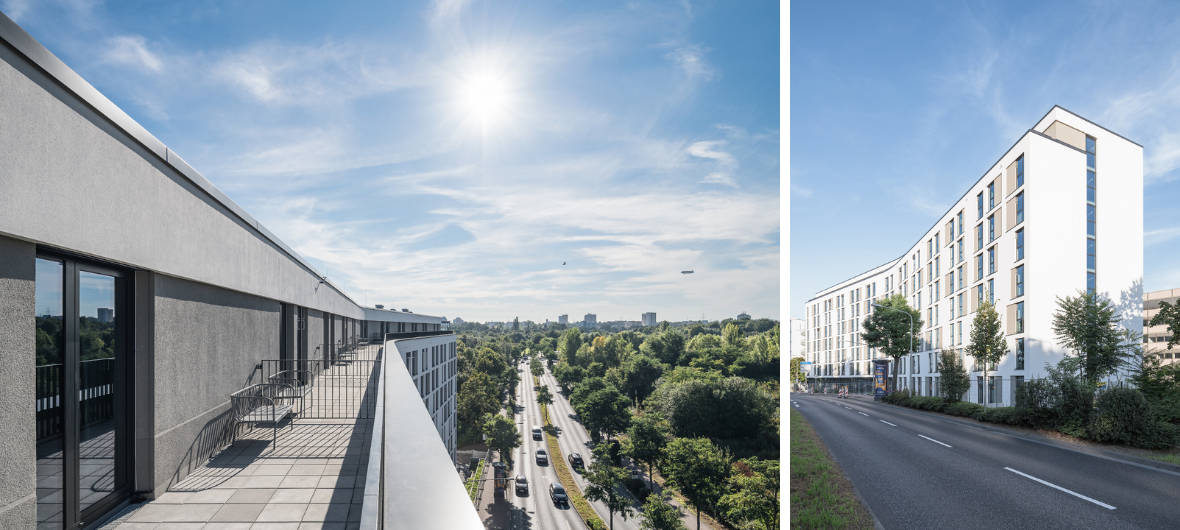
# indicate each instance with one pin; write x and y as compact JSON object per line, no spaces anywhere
{"x":979,"y":201}
{"x":1019,"y":317}
{"x":1020,"y":280}
{"x":1090,"y":160}
{"x":1090,"y":282}
{"x":991,"y":228}
{"x":1020,"y":244}
{"x":1090,"y":194}
{"x":1091,"y":213}
{"x":1091,"y":179}
{"x":50,"y":344}
{"x":991,"y":195}
{"x":991,"y":260}
{"x":1020,"y":208}
{"x":979,"y":237}
{"x":1089,"y":144}
{"x":1019,"y":354}
{"x":1019,"y":172}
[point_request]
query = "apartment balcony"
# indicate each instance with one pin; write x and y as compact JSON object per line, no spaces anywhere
{"x":360,"y":452}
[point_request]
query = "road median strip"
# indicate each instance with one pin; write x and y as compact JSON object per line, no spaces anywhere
{"x":557,"y":460}
{"x":821,"y":495}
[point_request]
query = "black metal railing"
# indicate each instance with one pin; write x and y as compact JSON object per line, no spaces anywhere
{"x":96,"y":395}
{"x":341,"y":388}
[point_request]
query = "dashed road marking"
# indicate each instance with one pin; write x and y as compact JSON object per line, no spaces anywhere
{"x":887,"y":423}
{"x":861,"y":413}
{"x":1056,"y":487}
{"x":933,"y":440}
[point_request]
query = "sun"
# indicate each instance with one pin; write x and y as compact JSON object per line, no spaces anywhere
{"x":485,"y":97}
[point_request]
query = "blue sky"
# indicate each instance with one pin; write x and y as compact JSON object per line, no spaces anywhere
{"x":896,"y":108}
{"x":448,"y":156}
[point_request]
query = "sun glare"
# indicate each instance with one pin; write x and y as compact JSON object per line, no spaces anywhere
{"x":484,"y":98}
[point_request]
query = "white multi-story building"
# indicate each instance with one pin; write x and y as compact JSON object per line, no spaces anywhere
{"x":798,"y":338}
{"x":1059,"y":213}
{"x":590,"y":320}
{"x":649,"y":319}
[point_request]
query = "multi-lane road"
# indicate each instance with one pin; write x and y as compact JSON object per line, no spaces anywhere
{"x":920,"y":470}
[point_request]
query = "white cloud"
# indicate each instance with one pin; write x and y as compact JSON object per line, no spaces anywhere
{"x":132,"y":50}
{"x":691,"y":60}
{"x":1160,"y":235}
{"x":720,"y":178}
{"x":725,"y":162}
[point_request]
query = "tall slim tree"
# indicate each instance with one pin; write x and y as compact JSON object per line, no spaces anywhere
{"x":1089,"y":325}
{"x":502,"y":436}
{"x":698,"y":470}
{"x":953,"y":380}
{"x":987,"y":345}
{"x":646,"y":439}
{"x":544,"y":397}
{"x":603,"y":479}
{"x":889,"y":330}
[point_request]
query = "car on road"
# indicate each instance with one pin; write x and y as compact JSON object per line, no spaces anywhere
{"x":542,"y":457}
{"x":522,"y":485}
{"x":576,"y":461}
{"x":557,"y":493}
{"x":536,"y":434}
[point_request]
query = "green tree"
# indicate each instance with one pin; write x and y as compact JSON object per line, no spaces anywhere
{"x":535,"y":367}
{"x":889,"y":330}
{"x":638,"y":377}
{"x":477,"y":398}
{"x":753,"y":497}
{"x":544,"y":397}
{"x":515,"y":323}
{"x":1169,"y":315}
{"x":987,"y":344}
{"x":667,"y":346}
{"x":604,"y":411}
{"x":568,"y":376}
{"x":1088,"y":325}
{"x":568,"y":346}
{"x":798,"y":375}
{"x":733,"y":408}
{"x":646,"y":439}
{"x":603,"y":479}
{"x":953,"y":380}
{"x":659,"y":514}
{"x":698,"y":470}
{"x":731,"y":336}
{"x":502,"y":435}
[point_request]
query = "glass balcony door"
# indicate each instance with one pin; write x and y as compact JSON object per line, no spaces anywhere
{"x":81,"y":397}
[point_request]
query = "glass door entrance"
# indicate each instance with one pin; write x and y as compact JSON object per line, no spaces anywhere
{"x":82,"y":429}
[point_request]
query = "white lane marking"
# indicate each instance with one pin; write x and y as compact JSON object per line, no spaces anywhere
{"x":849,"y":408}
{"x":1056,"y":487}
{"x":933,"y":440}
{"x":796,"y":405}
{"x":886,"y":423}
{"x":861,"y":413}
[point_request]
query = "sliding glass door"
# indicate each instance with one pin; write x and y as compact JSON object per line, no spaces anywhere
{"x":81,"y":391}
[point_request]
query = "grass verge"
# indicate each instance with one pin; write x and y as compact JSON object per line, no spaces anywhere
{"x":1165,"y":457}
{"x":821,"y":496}
{"x":557,"y":460}
{"x":473,"y":482}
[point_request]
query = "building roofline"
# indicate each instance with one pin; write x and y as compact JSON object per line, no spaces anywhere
{"x":44,"y":60}
{"x":1029,"y":131}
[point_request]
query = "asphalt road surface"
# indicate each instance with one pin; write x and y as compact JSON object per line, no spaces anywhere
{"x":921,"y":470}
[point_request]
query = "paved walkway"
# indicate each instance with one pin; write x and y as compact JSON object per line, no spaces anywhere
{"x":314,"y":478}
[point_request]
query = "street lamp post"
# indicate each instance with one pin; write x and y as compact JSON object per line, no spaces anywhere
{"x":910,"y":330}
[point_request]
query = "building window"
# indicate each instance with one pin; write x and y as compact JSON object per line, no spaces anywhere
{"x":991,"y":228}
{"x":960,"y":330}
{"x":961,"y":245}
{"x":991,"y":291}
{"x":1020,"y":354}
{"x":1091,"y":214}
{"x":960,"y":304}
{"x":1090,"y":181}
{"x":1019,"y":317}
{"x":1091,"y":283}
{"x":1020,"y":208}
{"x":991,"y":260}
{"x":979,"y":202}
{"x":1020,"y":171}
{"x":979,"y":267}
{"x":1020,"y":280}
{"x":960,"y":276}
{"x":979,"y":236}
{"x":960,"y":221}
{"x":991,"y":195}
{"x":979,"y":294}
{"x":1020,"y":244}
{"x":1090,"y":253}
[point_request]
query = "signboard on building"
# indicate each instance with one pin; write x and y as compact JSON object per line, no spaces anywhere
{"x":880,"y":378}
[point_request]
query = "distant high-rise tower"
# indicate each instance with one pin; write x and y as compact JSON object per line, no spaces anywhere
{"x":649,"y":319}
{"x":590,"y":320}
{"x":563,"y":319}
{"x":106,"y":315}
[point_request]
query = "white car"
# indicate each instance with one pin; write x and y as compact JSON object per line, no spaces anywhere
{"x":542,"y":457}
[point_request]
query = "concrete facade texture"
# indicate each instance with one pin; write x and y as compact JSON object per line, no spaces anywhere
{"x":17,"y":331}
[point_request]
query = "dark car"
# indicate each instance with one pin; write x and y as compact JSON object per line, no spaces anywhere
{"x":536,"y":434}
{"x":557,"y":493}
{"x":576,"y":461}
{"x":542,"y":457}
{"x":522,"y":485}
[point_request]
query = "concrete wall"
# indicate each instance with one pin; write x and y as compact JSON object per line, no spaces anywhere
{"x":68,"y":173}
{"x":18,"y":452}
{"x":208,"y":341}
{"x":315,"y":334}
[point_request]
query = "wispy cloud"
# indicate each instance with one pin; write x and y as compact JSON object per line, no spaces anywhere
{"x":1160,"y":235}
{"x":725,"y":161}
{"x":691,"y":60}
{"x":132,"y":50}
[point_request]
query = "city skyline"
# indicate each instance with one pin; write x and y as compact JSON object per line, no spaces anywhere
{"x":470,"y":158}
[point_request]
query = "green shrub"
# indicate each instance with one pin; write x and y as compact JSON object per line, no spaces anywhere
{"x":1121,"y":415}
{"x":1004,"y":415}
{"x":927,"y":403}
{"x":964,"y":408}
{"x":1038,"y":401}
{"x":899,"y":397}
